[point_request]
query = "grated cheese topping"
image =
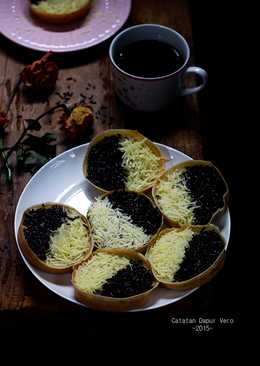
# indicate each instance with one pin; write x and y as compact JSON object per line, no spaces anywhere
{"x":59,"y":7}
{"x":113,"y":229}
{"x":142,"y":165}
{"x":174,"y":198}
{"x":91,"y":276}
{"x":69,"y":244}
{"x":168,"y":253}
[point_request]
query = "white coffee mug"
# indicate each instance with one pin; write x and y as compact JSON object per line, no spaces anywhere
{"x":151,"y":94}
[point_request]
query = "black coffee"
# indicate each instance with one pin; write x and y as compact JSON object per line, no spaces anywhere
{"x":149,"y":58}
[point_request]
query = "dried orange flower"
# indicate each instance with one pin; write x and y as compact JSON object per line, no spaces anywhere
{"x":41,"y":75}
{"x":79,"y":122}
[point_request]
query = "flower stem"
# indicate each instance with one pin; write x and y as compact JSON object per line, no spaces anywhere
{"x":5,"y":164}
{"x":26,"y":129}
{"x":61,"y":105}
{"x":14,"y":147}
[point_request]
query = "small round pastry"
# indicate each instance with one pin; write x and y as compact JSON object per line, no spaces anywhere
{"x":59,"y":11}
{"x":114,"y":280}
{"x":184,"y":258}
{"x":122,"y":159}
{"x":124,"y":219}
{"x":191,"y":193}
{"x":54,"y":237}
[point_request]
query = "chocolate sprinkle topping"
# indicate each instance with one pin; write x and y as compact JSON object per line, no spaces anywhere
{"x":129,"y":281}
{"x":203,"y":250}
{"x":139,"y":208}
{"x":105,"y":164}
{"x":40,"y":224}
{"x":206,"y":189}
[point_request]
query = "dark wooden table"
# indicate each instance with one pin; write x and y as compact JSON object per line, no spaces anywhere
{"x":185,"y":126}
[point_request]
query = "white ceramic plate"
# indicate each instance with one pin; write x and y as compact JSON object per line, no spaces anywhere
{"x":104,"y":19}
{"x":62,"y":180}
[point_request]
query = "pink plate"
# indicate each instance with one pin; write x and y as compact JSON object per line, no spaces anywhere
{"x":104,"y":19}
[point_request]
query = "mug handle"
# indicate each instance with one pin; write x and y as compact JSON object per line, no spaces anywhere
{"x":203,"y":76}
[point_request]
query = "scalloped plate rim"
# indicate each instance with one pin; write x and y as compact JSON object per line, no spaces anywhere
{"x":46,"y":48}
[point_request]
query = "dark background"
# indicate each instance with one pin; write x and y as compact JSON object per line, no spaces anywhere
{"x":218,"y":50}
{"x":220,"y":47}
